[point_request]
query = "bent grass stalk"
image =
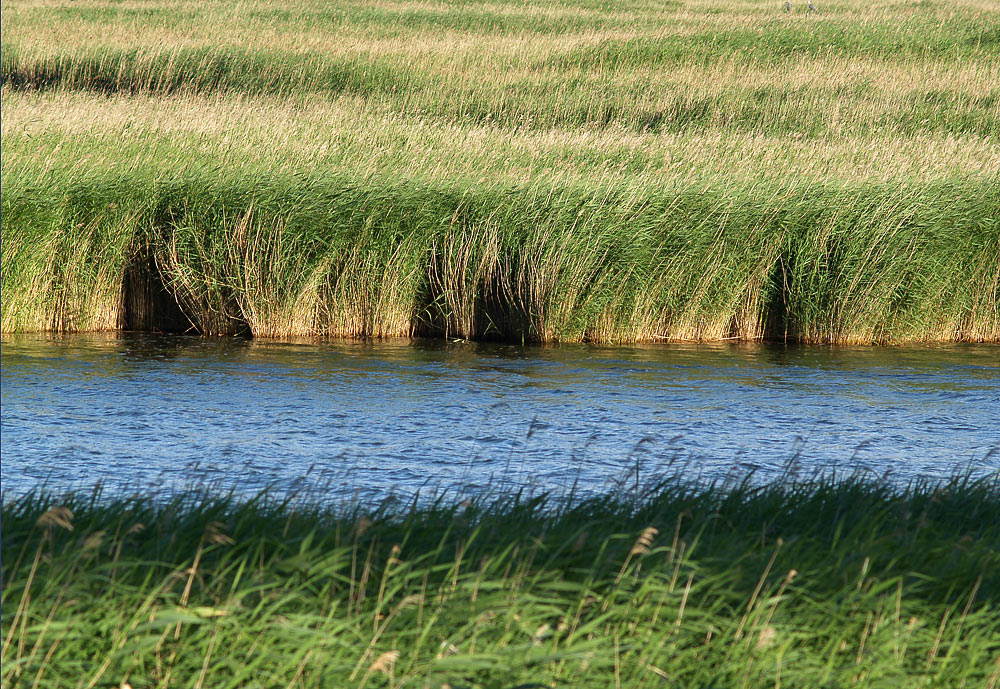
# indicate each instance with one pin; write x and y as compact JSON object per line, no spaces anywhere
{"x":500,"y":590}
{"x":397,"y":258}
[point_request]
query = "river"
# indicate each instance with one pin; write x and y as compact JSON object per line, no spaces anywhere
{"x":349,"y":419}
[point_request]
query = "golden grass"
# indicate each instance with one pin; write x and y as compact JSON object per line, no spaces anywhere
{"x":560,"y":59}
{"x":533,"y":157}
{"x":316,"y":133}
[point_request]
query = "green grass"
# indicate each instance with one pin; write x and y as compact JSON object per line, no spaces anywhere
{"x":540,"y":171}
{"x":819,"y":583}
{"x":279,"y":256}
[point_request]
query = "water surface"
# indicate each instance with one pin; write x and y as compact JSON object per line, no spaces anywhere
{"x":375,"y":418}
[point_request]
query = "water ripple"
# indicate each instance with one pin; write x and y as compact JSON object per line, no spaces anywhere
{"x":395,"y":417}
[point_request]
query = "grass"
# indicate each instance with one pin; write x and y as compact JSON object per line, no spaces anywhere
{"x":347,"y":256}
{"x":542,"y":171}
{"x":923,"y":66}
{"x":818,"y":583}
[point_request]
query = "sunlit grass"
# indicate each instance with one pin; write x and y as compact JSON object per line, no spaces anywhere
{"x":820,"y":584}
{"x":73,"y":133}
{"x":852,"y":69}
{"x":346,"y":255}
{"x":541,"y":171}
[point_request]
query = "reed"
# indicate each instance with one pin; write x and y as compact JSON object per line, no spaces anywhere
{"x":797,"y":583}
{"x":343,"y":256}
{"x":530,"y":171}
{"x":646,"y":67}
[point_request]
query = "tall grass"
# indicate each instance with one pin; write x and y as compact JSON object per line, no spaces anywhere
{"x":541,"y":171}
{"x":380,"y":257}
{"x":819,"y":583}
{"x":660,"y":67}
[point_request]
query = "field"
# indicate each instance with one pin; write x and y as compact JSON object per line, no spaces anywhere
{"x":816,"y":583}
{"x":533,"y":171}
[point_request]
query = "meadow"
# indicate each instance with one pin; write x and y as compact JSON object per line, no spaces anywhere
{"x":801,"y":583}
{"x":536,"y":171}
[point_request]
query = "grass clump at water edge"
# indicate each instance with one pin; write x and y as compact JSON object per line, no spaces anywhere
{"x":371,"y":257}
{"x":817,"y":583}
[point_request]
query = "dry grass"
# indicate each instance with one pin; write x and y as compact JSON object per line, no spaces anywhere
{"x":852,"y":69}
{"x":79,"y":132}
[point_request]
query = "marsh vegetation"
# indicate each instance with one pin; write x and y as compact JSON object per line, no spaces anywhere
{"x":528,"y":171}
{"x":816,"y":583}
{"x":541,"y":171}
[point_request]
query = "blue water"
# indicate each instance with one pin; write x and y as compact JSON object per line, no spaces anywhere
{"x":393,"y":417}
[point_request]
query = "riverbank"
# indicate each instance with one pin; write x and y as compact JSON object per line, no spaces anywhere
{"x":349,"y":257}
{"x":528,"y":173}
{"x":791,"y":584}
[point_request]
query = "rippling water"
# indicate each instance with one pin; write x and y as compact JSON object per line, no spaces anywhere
{"x":373,"y":418}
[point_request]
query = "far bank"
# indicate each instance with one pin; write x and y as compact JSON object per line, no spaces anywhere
{"x":370,"y":257}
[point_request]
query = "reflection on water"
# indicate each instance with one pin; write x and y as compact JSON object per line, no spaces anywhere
{"x":372,"y":418}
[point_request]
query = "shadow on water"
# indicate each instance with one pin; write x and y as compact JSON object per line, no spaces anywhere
{"x":142,"y":346}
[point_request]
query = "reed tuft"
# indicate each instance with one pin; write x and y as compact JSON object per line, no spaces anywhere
{"x":539,"y":173}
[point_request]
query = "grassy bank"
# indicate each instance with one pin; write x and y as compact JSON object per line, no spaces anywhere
{"x":534,"y":171}
{"x":821,"y":584}
{"x":380,"y":257}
